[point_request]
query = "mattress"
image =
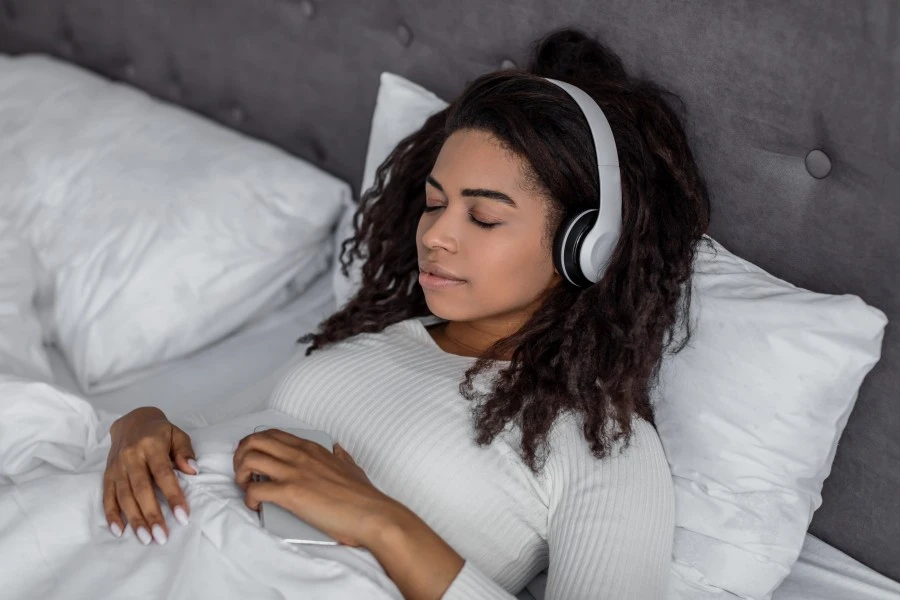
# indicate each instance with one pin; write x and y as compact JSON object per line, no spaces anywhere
{"x":237,"y":374}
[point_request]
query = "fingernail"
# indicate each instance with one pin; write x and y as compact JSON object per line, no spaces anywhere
{"x":116,"y":530}
{"x":159,"y":535}
{"x":143,"y":535}
{"x":193,"y":464}
{"x":181,"y":516}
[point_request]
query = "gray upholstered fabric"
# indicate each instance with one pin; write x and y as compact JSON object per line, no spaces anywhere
{"x":765,"y":83}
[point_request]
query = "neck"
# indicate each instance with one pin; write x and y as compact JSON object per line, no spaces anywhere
{"x":475,"y":337}
{"x":470,"y":336}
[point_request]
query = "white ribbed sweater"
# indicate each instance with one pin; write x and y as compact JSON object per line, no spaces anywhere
{"x":605,"y":527}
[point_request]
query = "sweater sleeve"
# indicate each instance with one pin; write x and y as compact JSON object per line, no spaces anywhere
{"x":611,"y":522}
{"x":472,"y":584}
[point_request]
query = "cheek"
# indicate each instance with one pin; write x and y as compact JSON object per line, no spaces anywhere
{"x":513,"y":269}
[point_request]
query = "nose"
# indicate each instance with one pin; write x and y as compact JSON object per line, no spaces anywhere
{"x":439,"y":231}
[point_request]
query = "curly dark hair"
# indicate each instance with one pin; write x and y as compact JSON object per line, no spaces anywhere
{"x":594,"y":351}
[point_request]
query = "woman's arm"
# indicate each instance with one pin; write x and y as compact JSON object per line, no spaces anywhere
{"x":611,"y":527}
{"x":423,"y":565}
{"x":416,"y":558}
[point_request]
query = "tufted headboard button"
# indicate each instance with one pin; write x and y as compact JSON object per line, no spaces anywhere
{"x":818,"y":164}
{"x":129,"y":71}
{"x":507,"y":64}
{"x":404,"y":35}
{"x":308,"y":9}
{"x":237,"y":115}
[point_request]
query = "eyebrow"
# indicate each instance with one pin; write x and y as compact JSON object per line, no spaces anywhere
{"x":477,"y":193}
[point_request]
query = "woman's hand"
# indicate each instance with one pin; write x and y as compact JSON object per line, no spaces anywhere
{"x":328,"y":491}
{"x":331,"y":492}
{"x":144,"y":445}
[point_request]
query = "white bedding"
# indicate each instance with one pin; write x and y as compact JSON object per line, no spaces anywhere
{"x":53,"y":445}
{"x":159,"y":230}
{"x":232,"y":378}
{"x":821,"y":573}
{"x":227,"y":378}
{"x":825,"y":573}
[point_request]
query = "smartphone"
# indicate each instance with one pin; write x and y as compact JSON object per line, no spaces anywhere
{"x":282,"y":522}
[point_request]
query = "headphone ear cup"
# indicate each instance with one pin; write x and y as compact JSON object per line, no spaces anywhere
{"x":567,"y":246}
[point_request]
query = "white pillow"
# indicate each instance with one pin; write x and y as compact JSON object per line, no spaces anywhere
{"x":163,"y":231}
{"x":749,"y":414}
{"x":21,"y":349}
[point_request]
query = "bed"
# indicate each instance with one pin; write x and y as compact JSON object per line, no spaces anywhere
{"x":219,"y":380}
{"x":792,"y":111}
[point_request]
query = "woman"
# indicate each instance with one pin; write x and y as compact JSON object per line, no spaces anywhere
{"x":504,"y":413}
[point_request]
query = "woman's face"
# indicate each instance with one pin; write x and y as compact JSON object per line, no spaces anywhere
{"x":483,"y":228}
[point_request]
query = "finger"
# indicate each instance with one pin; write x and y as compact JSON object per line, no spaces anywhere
{"x":132,"y":511}
{"x":263,"y":491}
{"x":165,"y":479}
{"x":186,"y":465}
{"x":267,"y":444}
{"x":183,"y":452}
{"x":270,"y":438}
{"x":111,"y":506}
{"x":261,"y":463}
{"x":145,"y":496}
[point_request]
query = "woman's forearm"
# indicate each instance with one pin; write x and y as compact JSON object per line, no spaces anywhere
{"x":416,"y":558}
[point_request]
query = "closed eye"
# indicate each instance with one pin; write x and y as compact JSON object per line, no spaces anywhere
{"x":475,"y":221}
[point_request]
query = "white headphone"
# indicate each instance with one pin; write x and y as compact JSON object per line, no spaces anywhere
{"x":585,"y":241}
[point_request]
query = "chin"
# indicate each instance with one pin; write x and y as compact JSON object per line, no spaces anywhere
{"x":449,"y":309}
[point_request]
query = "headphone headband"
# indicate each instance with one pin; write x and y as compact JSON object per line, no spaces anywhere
{"x":586,"y":241}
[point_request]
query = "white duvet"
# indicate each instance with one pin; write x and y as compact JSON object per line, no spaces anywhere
{"x":55,"y":543}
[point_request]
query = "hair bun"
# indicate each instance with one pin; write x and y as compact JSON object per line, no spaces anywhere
{"x":570,"y":54}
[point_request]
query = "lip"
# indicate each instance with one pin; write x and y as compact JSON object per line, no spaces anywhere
{"x":433,"y":269}
{"x":435,"y":278}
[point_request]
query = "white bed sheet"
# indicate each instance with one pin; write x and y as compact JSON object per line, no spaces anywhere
{"x":821,"y":573}
{"x":825,"y":573}
{"x":236,"y":376}
{"x":231,"y":377}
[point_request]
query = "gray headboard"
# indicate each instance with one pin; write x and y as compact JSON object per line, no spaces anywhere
{"x":794,"y":112}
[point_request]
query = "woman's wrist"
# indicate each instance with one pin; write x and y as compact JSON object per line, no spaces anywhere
{"x":381,"y":527}
{"x":414,"y":556}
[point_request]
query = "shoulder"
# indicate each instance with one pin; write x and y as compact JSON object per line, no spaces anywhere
{"x":364,"y":349}
{"x":567,"y":435}
{"x":639,"y":464}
